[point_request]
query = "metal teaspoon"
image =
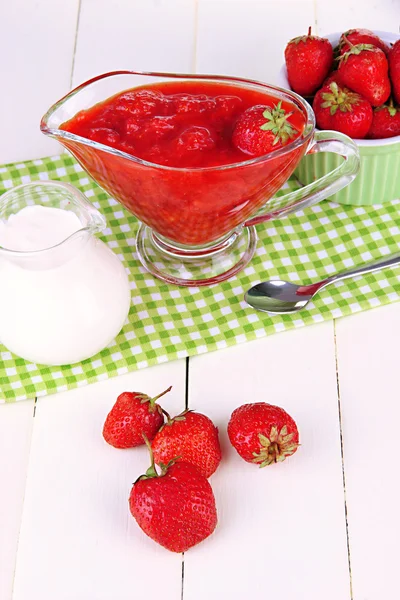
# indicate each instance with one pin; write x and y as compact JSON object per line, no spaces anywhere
{"x":282,"y":297}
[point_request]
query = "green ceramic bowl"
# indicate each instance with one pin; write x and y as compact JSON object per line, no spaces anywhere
{"x":379,"y":178}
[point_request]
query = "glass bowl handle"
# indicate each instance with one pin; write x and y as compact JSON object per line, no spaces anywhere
{"x":329,"y":184}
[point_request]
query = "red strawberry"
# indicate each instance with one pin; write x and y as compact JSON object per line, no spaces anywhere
{"x":361,"y":36}
{"x":364,"y":69}
{"x":308,"y":61}
{"x":132,"y":415}
{"x":175,"y":509}
{"x":193,"y":438}
{"x":261,"y":129}
{"x":385,"y":122}
{"x":262,"y":433}
{"x":394,"y":70}
{"x":334,"y":76}
{"x":340,"y":109}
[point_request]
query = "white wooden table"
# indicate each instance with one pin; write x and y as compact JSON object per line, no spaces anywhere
{"x":324,"y":524}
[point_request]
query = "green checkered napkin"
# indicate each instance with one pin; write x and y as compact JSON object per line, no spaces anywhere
{"x":168,"y":322}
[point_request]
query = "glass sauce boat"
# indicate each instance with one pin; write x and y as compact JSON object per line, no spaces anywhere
{"x":197,"y":224}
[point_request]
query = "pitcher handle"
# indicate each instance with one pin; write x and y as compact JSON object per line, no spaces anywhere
{"x":332,"y":182}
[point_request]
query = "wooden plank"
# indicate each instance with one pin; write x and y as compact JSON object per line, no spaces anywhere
{"x":247,"y":38}
{"x":78,"y":539}
{"x":368,"y":379}
{"x":36,"y":44}
{"x":153,"y":35}
{"x":15,"y":437}
{"x":281,"y":531}
{"x":382,"y":16}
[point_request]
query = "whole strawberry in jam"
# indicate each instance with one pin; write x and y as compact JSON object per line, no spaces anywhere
{"x":364,"y":69}
{"x":261,"y":129}
{"x":262,"y":433}
{"x":361,"y":36}
{"x":193,"y":438}
{"x":340,"y":109}
{"x":133,"y":415}
{"x":177,"y":508}
{"x":308,"y":61}
{"x":385,"y":122}
{"x":394,"y":70}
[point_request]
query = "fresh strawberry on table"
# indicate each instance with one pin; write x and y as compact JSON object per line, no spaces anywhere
{"x":190,"y":437}
{"x":364,"y":69}
{"x":308,"y":61}
{"x":132,"y":415}
{"x":176,"y":508}
{"x":361,"y":36}
{"x":385,"y":122}
{"x":262,"y":433}
{"x":338,"y":108}
{"x":394,"y":70}
{"x":261,"y":129}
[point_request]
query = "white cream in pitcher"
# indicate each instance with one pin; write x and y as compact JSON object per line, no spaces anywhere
{"x":37,"y":228}
{"x":64,"y":294}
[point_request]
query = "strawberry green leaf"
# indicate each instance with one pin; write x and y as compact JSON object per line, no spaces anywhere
{"x":277,"y":123}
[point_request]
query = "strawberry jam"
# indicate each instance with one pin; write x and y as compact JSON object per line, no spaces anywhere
{"x":181,"y":129}
{"x":180,"y":124}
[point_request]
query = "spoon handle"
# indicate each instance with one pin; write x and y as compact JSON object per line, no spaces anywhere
{"x":377,"y":265}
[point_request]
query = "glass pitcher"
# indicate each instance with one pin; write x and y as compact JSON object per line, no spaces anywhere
{"x":197,"y":224}
{"x":64,"y":303}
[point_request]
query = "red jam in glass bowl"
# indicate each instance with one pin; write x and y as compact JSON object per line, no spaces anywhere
{"x":185,"y":179}
{"x":175,"y":124}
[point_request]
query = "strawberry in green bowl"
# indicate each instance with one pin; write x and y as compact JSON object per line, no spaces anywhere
{"x":359,"y":96}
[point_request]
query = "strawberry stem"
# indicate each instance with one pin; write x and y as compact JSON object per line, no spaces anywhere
{"x":151,"y":471}
{"x":348,"y":42}
{"x":309,"y":31}
{"x":150,"y":449}
{"x":162,"y":394}
{"x":169,"y":420}
{"x":152,"y":401}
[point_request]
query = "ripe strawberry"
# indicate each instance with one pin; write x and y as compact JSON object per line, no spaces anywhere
{"x":361,"y":36}
{"x":175,"y":509}
{"x":193,"y":438}
{"x":394,"y":70}
{"x":262,"y":433}
{"x":340,"y":109}
{"x":261,"y":129}
{"x":385,"y":122}
{"x":308,"y":61}
{"x":132,"y":415}
{"x":364,"y":69}
{"x":334,"y":76}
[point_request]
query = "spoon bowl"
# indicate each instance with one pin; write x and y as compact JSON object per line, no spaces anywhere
{"x":277,"y":297}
